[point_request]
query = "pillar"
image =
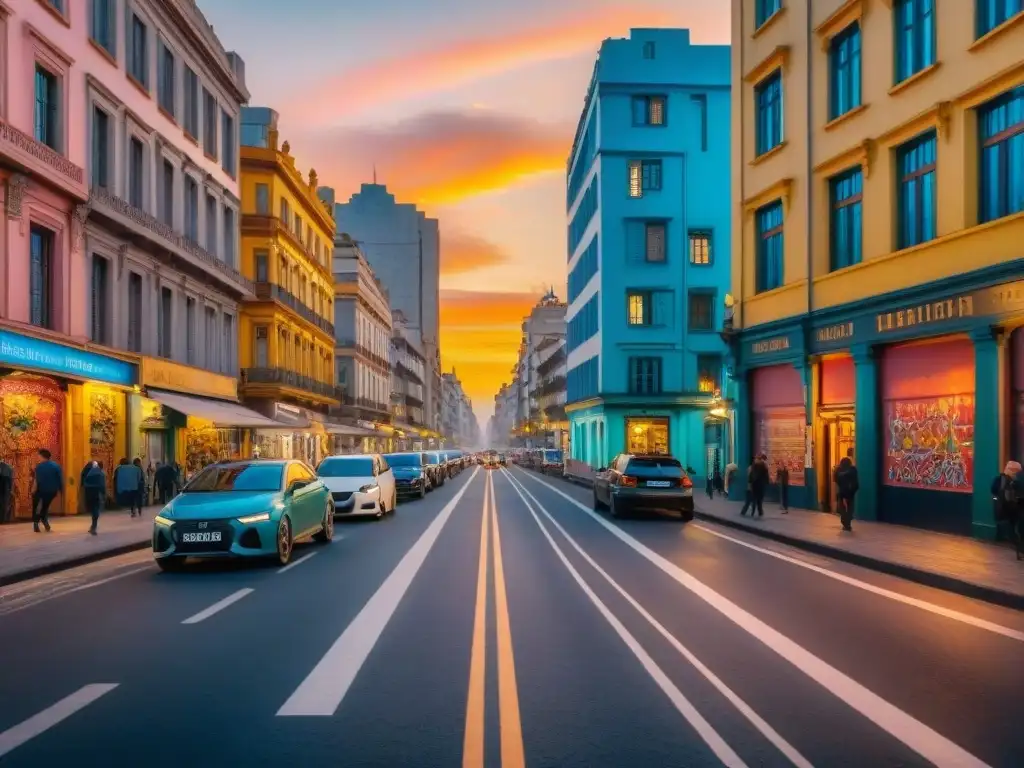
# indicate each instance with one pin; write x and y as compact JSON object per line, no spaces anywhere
{"x":809,"y":373}
{"x":744,"y":433}
{"x":867,"y":440}
{"x":989,"y":420}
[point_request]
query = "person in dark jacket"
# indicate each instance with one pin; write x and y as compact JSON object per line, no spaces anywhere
{"x":782,"y":478}
{"x":847,"y":484}
{"x":142,"y":499}
{"x":758,"y":478}
{"x":1008,"y":498}
{"x":95,"y":488}
{"x":164,"y":478}
{"x":718,"y":483}
{"x":47,"y":482}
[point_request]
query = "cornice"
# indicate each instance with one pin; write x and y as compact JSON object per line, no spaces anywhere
{"x":843,"y":17}
{"x":777,"y":59}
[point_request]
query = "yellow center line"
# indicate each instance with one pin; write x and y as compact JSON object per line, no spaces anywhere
{"x":473,"y":741}
{"x":512,"y":751}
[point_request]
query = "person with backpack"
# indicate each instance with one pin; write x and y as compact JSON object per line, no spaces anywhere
{"x":847,"y":483}
{"x":94,"y":484}
{"x":1008,"y":499}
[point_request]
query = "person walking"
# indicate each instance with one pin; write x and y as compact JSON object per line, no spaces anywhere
{"x":847,"y":484}
{"x":1008,"y":498}
{"x":95,"y":488}
{"x":6,"y":491}
{"x":47,"y":482}
{"x":140,"y":498}
{"x":759,"y":481}
{"x":164,"y":478}
{"x":782,"y":478}
{"x":717,"y":482}
{"x":127,"y":478}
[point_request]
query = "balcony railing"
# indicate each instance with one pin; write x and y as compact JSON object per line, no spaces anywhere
{"x":368,"y":404}
{"x":286,"y":378}
{"x":34,"y":156}
{"x":557,"y":358}
{"x":274,"y":291}
{"x":364,"y":351}
{"x":550,"y":386}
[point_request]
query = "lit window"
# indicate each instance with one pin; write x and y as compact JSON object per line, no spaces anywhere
{"x":639,"y":308}
{"x":649,"y":110}
{"x":644,"y":176}
{"x":700,"y":247}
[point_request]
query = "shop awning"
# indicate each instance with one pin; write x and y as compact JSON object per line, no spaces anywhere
{"x":220,"y":412}
{"x":353,"y":431}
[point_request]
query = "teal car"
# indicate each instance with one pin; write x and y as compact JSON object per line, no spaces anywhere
{"x":244,"y":509}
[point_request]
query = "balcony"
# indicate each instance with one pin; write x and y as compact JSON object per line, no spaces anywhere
{"x":34,"y":157}
{"x":282,"y":377}
{"x":274,"y":292}
{"x":550,"y":386}
{"x":135,"y":224}
{"x":414,"y":401}
{"x":364,"y":352}
{"x":548,"y":366}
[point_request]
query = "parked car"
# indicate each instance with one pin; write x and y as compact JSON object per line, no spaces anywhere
{"x":551,"y":462}
{"x":450,"y":462}
{"x":410,"y":471}
{"x":361,"y":485}
{"x":436,"y":469}
{"x":490,"y":460}
{"x":243,"y":509}
{"x":633,"y":482}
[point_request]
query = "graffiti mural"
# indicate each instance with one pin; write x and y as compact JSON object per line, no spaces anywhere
{"x":930,"y":443}
{"x":781,"y":434}
{"x":31,"y":417}
{"x":103,"y":419}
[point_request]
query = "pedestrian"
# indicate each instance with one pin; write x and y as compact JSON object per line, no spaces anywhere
{"x":127,"y":478}
{"x":717,"y":482}
{"x":47,"y":481}
{"x":710,"y":487}
{"x":1008,"y":498}
{"x":165,"y":481}
{"x":782,"y":478}
{"x":95,"y":488}
{"x":847,"y":485}
{"x":6,"y":491}
{"x":141,"y":497}
{"x":748,"y":499}
{"x":759,"y":481}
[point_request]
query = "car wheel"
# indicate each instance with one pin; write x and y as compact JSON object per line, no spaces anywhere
{"x":171,"y":564}
{"x":394,"y":502}
{"x":613,"y":507}
{"x":686,"y":516}
{"x":326,"y":534}
{"x":284,"y":541}
{"x":423,"y":491}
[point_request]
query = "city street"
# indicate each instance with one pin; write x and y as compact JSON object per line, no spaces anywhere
{"x":501,"y":622}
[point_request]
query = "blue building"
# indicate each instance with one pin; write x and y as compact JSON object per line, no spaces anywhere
{"x":648,"y":209}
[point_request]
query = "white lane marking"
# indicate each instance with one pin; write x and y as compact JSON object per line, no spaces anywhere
{"x":219,"y":606}
{"x":79,"y":588}
{"x":703,"y":728}
{"x":919,"y":737}
{"x":756,"y":720}
{"x":912,"y":601}
{"x":293,"y":563}
{"x":321,"y":693}
{"x":26,"y":730}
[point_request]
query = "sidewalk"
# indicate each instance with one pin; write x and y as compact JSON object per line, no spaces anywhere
{"x":969,"y":567}
{"x":25,"y":554}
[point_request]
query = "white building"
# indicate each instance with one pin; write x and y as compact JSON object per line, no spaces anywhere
{"x":458,"y":422}
{"x":408,"y":373}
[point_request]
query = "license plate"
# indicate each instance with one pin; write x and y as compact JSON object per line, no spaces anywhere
{"x":658,"y":484}
{"x":201,"y":537}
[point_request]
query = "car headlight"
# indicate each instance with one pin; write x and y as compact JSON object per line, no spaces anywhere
{"x":163,"y":520}
{"x":262,"y":517}
{"x":368,"y":488}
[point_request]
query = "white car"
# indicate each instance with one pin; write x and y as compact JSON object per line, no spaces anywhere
{"x":362,"y":485}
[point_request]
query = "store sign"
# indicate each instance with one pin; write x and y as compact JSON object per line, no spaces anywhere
{"x":163,"y":374}
{"x":830,"y":334}
{"x":767,"y":346}
{"x":19,"y":351}
{"x":932,"y":313}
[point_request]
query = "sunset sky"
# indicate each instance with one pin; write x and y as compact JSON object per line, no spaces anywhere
{"x":467,"y":108}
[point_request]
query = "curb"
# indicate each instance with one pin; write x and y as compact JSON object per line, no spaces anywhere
{"x":64,"y":565}
{"x":909,"y":573}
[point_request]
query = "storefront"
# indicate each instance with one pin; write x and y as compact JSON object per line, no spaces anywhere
{"x":302,"y":434}
{"x":835,"y":422}
{"x":68,"y":400}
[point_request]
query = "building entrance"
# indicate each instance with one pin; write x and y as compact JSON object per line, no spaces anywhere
{"x":839,"y":438}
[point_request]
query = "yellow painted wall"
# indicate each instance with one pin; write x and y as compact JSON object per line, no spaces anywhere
{"x":967,"y":74}
{"x":87,"y":428}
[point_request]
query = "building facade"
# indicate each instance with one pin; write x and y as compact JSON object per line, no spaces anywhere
{"x":287,"y":329}
{"x":458,"y":422}
{"x":878,"y":151}
{"x":409,"y":370}
{"x":540,"y":375}
{"x":648,"y":213}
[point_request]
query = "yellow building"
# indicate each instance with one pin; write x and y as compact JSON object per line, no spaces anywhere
{"x":878,"y":249}
{"x":286,"y":345}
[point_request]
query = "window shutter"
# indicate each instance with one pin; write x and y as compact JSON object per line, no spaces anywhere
{"x":662,"y":309}
{"x":655,"y":242}
{"x":635,"y":242}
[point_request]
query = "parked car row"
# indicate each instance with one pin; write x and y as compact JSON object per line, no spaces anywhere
{"x":261,"y":507}
{"x":548,"y":461}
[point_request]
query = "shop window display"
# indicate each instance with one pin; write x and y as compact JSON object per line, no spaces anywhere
{"x":647,"y":436}
{"x":31,"y":418}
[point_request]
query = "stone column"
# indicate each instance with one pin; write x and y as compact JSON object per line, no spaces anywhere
{"x":989,"y":424}
{"x":744,"y":434}
{"x":868,"y":447}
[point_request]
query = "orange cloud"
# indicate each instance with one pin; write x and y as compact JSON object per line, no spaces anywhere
{"x":441,"y":157}
{"x":462,"y":252}
{"x":417,"y":72}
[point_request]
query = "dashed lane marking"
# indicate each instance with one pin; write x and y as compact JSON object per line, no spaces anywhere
{"x":219,"y":606}
{"x":294,"y":563}
{"x":39,"y":723}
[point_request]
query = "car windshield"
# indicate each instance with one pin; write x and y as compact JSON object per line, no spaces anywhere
{"x":654,"y":462}
{"x":552,"y":455}
{"x":346,"y":467}
{"x":237,"y":477}
{"x":432,"y":458}
{"x":404,"y":460}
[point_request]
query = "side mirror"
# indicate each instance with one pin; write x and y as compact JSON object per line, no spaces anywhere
{"x":296,"y":485}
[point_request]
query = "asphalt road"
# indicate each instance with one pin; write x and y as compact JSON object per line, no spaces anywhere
{"x":500,"y":622}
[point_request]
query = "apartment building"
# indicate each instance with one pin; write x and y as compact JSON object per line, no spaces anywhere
{"x":878,"y":154}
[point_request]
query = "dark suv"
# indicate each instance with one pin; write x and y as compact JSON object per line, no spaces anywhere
{"x":634,"y":482}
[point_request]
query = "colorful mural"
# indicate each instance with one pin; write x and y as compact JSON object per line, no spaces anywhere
{"x":930,"y":443}
{"x":781,"y":434}
{"x":31,"y":417}
{"x":206,"y":444}
{"x":103,"y":420}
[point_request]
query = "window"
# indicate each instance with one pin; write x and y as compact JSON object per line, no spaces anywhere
{"x":769,"y":112}
{"x":844,"y":72}
{"x":100,"y":148}
{"x":263,"y":199}
{"x":190,"y":330}
{"x":165,"y":86}
{"x":770,"y":247}
{"x":229,"y":236}
{"x":134,"y":312}
{"x":47,"y":105}
{"x":136,"y":156}
{"x":262,"y":266}
{"x":167,"y":194}
{"x":584,"y":271}
{"x":992,"y":13}
{"x":644,"y":176}
{"x":210,"y":112}
{"x":916,"y":168}
{"x":41,"y":242}
{"x":227,"y":364}
{"x":646,"y":437}
{"x":639,"y":305}
{"x":260,"y":353}
{"x":654,"y":238}
{"x":709,"y":373}
{"x":138,"y":52}
{"x":914,"y":36}
{"x":644,"y":376}
{"x":228,"y":140}
{"x":764,"y":10}
{"x":583,"y":325}
{"x":211,"y":224}
{"x":191,"y":209}
{"x":210,"y":335}
{"x":701,"y":101}
{"x":1001,"y":132}
{"x":164,"y":323}
{"x":286,"y":214}
{"x":57,"y":4}
{"x":846,"y":226}
{"x":298,"y":227}
{"x":649,"y":110}
{"x":103,"y":29}
{"x":98,"y":300}
{"x":700,"y":247}
{"x":649,"y":50}
{"x":701,"y":311}
{"x":191,"y":96}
